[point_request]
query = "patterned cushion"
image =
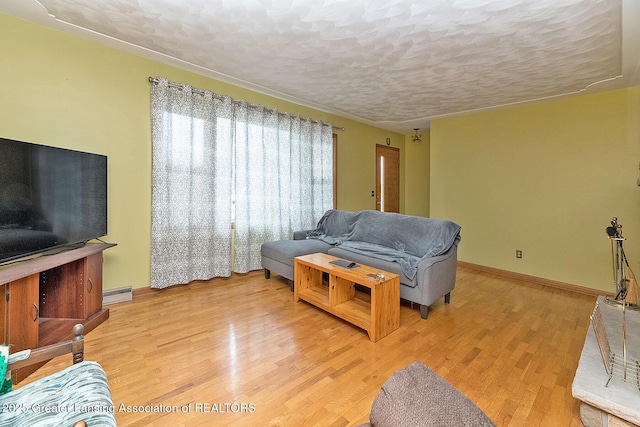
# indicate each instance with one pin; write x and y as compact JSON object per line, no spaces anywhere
{"x":77,"y":393}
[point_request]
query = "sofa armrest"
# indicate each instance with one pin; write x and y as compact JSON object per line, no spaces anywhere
{"x":44,"y":354}
{"x":436,"y":276}
{"x":300,"y":235}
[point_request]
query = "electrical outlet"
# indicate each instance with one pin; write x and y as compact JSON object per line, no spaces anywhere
{"x":518,"y":253}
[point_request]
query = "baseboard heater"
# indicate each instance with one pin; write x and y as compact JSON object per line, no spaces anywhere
{"x":112,"y":296}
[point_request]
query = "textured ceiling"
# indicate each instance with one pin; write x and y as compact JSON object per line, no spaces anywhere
{"x":393,"y":63}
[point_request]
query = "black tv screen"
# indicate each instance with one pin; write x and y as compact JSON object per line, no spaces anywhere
{"x":49,"y":198}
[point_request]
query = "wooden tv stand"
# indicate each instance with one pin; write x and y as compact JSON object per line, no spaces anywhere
{"x":43,"y":298}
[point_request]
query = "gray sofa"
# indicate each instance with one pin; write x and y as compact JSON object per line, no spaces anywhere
{"x":423,"y":251}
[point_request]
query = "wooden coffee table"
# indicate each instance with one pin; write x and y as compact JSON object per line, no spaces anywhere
{"x":379,"y":317}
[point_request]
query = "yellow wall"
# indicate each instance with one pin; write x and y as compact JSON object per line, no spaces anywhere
{"x":61,"y":90}
{"x":546,"y":179}
{"x":417,"y":174}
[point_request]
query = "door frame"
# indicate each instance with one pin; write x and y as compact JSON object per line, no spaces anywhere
{"x":380,"y":148}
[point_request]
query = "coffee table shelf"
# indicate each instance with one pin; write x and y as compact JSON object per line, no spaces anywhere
{"x":379,"y":317}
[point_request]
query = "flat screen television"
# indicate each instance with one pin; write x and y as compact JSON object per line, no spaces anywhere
{"x":49,"y":198}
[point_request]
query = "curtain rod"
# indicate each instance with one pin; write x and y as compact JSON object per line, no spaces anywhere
{"x":154,"y":80}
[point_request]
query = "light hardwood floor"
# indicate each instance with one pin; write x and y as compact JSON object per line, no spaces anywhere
{"x":242,"y":346}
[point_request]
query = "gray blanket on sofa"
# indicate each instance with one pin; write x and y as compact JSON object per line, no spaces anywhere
{"x":388,"y":236}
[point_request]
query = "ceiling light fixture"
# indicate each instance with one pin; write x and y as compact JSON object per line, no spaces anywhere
{"x":416,"y":137}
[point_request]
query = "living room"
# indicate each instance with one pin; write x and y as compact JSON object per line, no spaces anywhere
{"x":544,"y":178}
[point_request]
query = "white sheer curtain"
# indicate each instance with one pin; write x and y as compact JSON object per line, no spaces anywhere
{"x":213,"y":158}
{"x":191,"y":184}
{"x":283,"y":178}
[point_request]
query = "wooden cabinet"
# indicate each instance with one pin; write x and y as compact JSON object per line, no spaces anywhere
{"x":3,"y":312}
{"x":44,"y":298}
{"x":62,"y":291}
{"x":93,"y":284}
{"x":23,"y":313}
{"x":72,"y":290}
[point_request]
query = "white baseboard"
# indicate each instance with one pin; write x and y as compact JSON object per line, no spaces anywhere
{"x":113,"y":296}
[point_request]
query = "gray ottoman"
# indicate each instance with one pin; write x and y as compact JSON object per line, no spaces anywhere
{"x":278,"y":256}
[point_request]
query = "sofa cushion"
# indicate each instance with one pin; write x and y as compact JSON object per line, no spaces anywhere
{"x":417,"y":396}
{"x":285,"y":251}
{"x":414,"y":235}
{"x":360,"y":258}
{"x":335,"y":223}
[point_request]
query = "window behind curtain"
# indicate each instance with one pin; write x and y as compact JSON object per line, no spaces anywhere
{"x":216,"y":160}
